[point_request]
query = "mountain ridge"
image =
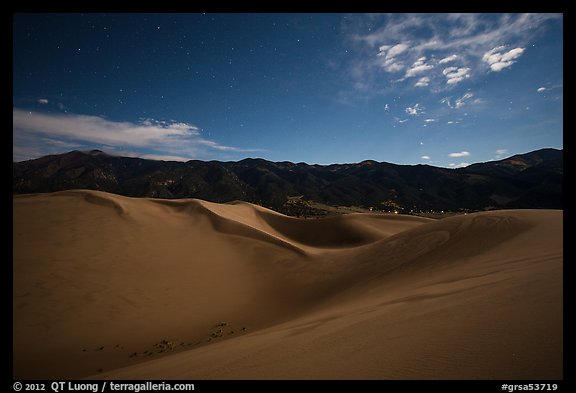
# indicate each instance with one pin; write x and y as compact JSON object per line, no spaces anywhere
{"x":530,"y":180}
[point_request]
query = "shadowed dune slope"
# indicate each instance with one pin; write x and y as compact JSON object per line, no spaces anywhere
{"x":120,"y":288}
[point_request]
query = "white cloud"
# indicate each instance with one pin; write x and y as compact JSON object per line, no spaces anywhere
{"x":446,"y":101}
{"x":448,"y":59}
{"x":390,"y":51}
{"x":450,"y":32}
{"x":459,"y":102}
{"x":130,"y":153}
{"x":460,"y":154}
{"x":386,"y":107}
{"x":414,"y":110}
{"x":383,"y":49}
{"x":465,"y":40}
{"x":415,"y":70}
{"x":541,"y":89}
{"x":512,"y":54}
{"x":26,"y":146}
{"x":498,"y":59}
{"x":42,"y":101}
{"x":161,"y":136}
{"x":493,"y":55}
{"x":423,"y":82}
{"x":430,"y":120}
{"x":402,"y":120}
{"x":392,"y":65}
{"x":389,"y":54}
{"x":418,"y":67}
{"x":425,"y":157}
{"x":100,"y":130}
{"x":460,"y":165}
{"x":500,"y":153}
{"x":462,"y":100}
{"x":456,"y":75}
{"x":217,"y":146}
{"x":160,"y":157}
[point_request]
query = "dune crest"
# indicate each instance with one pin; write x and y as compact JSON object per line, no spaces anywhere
{"x":112,"y":287}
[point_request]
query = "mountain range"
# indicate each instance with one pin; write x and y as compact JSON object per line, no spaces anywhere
{"x":531,"y":180}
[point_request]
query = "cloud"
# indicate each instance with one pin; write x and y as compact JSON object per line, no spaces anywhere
{"x":446,"y":100}
{"x":460,"y":154}
{"x":26,"y":146}
{"x":217,"y":146}
{"x":386,"y":107}
{"x":389,"y":53}
{"x":430,"y":120}
{"x":460,"y":165}
{"x":425,"y":157}
{"x":455,"y":75}
{"x":42,"y":101}
{"x":418,"y":67}
{"x":415,"y":110}
{"x":392,"y":65}
{"x":540,"y":89}
{"x":500,"y":153}
{"x":160,"y":157}
{"x":415,"y":70}
{"x":462,"y":100}
{"x":165,"y":138}
{"x":423,"y":82}
{"x":395,"y":43}
{"x":100,"y":130}
{"x":498,"y":59}
{"x":459,"y":102}
{"x":448,"y":59}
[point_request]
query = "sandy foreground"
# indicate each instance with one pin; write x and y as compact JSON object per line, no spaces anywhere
{"x":121,"y":288}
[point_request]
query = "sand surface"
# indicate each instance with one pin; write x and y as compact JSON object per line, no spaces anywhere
{"x":120,"y":288}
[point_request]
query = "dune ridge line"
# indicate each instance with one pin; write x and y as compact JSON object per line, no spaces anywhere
{"x":113,"y":287}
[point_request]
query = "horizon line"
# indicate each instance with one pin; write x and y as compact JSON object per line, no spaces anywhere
{"x":157,"y":158}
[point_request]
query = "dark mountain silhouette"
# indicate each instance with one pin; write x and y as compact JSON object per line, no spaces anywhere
{"x":531,"y":180}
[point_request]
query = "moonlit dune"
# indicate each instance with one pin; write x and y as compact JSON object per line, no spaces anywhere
{"x":112,"y":287}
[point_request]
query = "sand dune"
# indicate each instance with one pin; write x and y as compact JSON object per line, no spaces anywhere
{"x":119,"y":288}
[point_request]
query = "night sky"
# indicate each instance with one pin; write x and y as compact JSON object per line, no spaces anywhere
{"x":445,"y":90}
